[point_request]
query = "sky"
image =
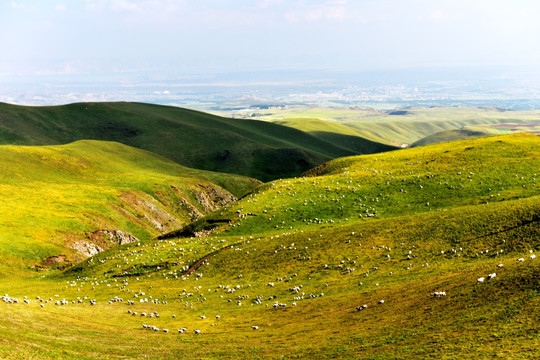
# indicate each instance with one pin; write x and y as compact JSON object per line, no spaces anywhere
{"x":67,"y":38}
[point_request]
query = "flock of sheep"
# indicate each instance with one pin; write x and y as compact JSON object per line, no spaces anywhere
{"x":342,"y":195}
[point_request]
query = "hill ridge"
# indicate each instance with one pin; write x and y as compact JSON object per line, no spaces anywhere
{"x":195,"y":139}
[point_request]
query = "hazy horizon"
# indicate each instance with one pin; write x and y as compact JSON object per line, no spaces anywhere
{"x":58,"y":51}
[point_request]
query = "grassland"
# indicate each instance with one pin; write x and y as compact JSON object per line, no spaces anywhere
{"x":55,"y":197}
{"x":395,"y":226}
{"x":404,"y":126}
{"x":198,"y":140}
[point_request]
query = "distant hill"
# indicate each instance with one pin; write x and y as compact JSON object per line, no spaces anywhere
{"x":404,"y":126}
{"x":448,"y":135}
{"x":257,"y":149}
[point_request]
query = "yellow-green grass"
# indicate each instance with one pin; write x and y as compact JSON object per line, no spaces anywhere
{"x":431,"y":178}
{"x":400,"y":256}
{"x":494,"y":318}
{"x":413,"y":125}
{"x":55,"y":196}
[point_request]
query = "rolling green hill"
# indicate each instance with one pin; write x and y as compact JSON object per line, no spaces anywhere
{"x":430,"y":178}
{"x":71,"y":199}
{"x":289,"y":268}
{"x":252,"y":148}
{"x":448,"y":135}
{"x":404,"y":126}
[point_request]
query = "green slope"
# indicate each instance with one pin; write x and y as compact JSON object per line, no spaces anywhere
{"x":253,"y":148}
{"x":446,"y":136}
{"x":430,"y":178}
{"x":302,"y":242}
{"x":54,"y":198}
{"x":405,"y":126}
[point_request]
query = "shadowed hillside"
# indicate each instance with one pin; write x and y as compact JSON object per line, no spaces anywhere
{"x":252,"y":148}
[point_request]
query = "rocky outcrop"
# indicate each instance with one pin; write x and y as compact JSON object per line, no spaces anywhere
{"x":161,"y":213}
{"x":150,"y":212}
{"x":102,"y":240}
{"x":112,"y":237}
{"x":212,"y":198}
{"x":86,"y":248}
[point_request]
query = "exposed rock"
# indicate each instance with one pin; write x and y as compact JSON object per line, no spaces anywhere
{"x":112,"y":237}
{"x":101,"y":240}
{"x":212,"y":198}
{"x":149,"y":212}
{"x":86,"y":248}
{"x":192,"y":211}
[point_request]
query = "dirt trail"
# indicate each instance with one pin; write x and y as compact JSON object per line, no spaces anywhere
{"x":203,"y":260}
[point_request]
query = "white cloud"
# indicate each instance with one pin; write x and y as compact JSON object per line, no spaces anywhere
{"x":334,"y":10}
{"x":113,"y":5}
{"x":16,"y":5}
{"x":437,"y":15}
{"x":123,"y":5}
{"x":336,"y":13}
{"x":21,"y":6}
{"x":268,"y":3}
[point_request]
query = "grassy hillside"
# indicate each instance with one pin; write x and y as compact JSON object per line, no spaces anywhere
{"x":248,"y":147}
{"x":395,"y":226}
{"x":431,"y":178}
{"x":448,"y":135}
{"x":356,"y":141}
{"x":55,"y":198}
{"x":404,"y":126}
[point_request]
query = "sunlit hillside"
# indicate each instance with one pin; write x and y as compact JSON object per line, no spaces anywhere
{"x":77,"y":199}
{"x":417,"y":253}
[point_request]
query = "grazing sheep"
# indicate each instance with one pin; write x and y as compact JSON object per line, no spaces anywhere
{"x":480,"y":279}
{"x":533,"y":256}
{"x":255,"y":327}
{"x":521,"y":259}
{"x":362,"y":307}
{"x":381,"y":302}
{"x":491,"y":276}
{"x":197,"y":332}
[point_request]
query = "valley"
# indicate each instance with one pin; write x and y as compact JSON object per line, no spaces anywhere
{"x":424,"y":252}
